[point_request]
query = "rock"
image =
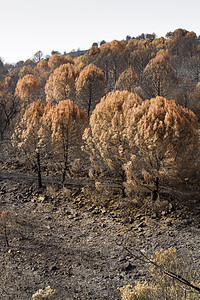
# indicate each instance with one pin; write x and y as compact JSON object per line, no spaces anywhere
{"x":128,"y":220}
{"x":164,"y":213}
{"x":187,"y":222}
{"x":42,"y":198}
{"x":171,"y":207}
{"x":169,"y":223}
{"x":53,"y":268}
{"x":103,"y":210}
{"x":127,"y":266}
{"x":154,"y":216}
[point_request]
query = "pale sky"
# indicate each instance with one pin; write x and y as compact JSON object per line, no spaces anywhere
{"x":28,"y":26}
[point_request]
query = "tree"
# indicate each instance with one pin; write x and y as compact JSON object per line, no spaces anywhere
{"x":61,"y":84}
{"x":95,"y":44}
{"x":112,"y":62}
{"x":26,"y":70}
{"x":38,"y":56}
{"x":185,"y":94}
{"x":55,"y":61}
{"x":90,"y":87}
{"x":182,"y":43}
{"x":66,"y":123}
{"x":139,"y":53}
{"x":9,"y":105}
{"x":194,"y":66}
{"x":4,"y":220}
{"x":109,"y":57}
{"x":42,"y":73}
{"x":28,"y":136}
{"x":158,"y":78}
{"x":102,"y":42}
{"x":105,"y":139}
{"x":28,"y":88}
{"x":42,"y":65}
{"x":166,"y":136}
{"x":128,"y":80}
{"x":146,"y":144}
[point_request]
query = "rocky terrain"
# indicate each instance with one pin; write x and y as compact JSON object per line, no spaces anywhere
{"x":73,"y":239}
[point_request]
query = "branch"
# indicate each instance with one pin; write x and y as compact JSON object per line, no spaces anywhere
{"x":146,"y":259}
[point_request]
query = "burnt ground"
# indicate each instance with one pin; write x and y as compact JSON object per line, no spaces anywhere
{"x":72,"y":239}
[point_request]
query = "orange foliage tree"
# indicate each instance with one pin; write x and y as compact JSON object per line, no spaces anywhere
{"x":26,"y":70}
{"x":28,"y":88}
{"x":28,"y":136}
{"x":166,"y":136}
{"x":61,"y":84}
{"x":110,"y":59}
{"x":66,"y":123}
{"x":105,"y":139}
{"x":90,"y":87}
{"x":158,"y":78}
{"x":128,"y":80}
{"x":146,"y":144}
{"x":9,"y":105}
{"x":140,"y":53}
{"x":182,"y":43}
{"x":55,"y":61}
{"x":42,"y":65}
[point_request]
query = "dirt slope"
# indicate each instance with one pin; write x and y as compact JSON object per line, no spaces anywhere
{"x":73,"y":241}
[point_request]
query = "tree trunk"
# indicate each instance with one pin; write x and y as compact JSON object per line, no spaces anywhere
{"x":123,"y":180}
{"x":39,"y":171}
{"x":6,"y":237}
{"x":90,"y":100}
{"x":155,"y":192}
{"x":66,"y":150}
{"x":65,"y":169}
{"x":123,"y":192}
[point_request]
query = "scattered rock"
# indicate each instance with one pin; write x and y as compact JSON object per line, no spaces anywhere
{"x":169,"y":223}
{"x":127,"y":266}
{"x":42,"y":198}
{"x":103,"y":210}
{"x":154,"y":216}
{"x":53,"y":268}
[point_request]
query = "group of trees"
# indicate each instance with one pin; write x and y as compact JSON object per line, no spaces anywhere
{"x":46,"y":105}
{"x":146,"y":145}
{"x":51,"y":132}
{"x":167,"y":67}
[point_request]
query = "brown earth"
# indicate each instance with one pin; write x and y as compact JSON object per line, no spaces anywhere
{"x":72,"y":239}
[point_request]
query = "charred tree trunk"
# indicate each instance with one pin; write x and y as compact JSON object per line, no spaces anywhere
{"x":90,"y":100}
{"x":155,"y":192}
{"x":65,"y":168}
{"x":123,"y":180}
{"x":6,"y":236}
{"x":39,"y":171}
{"x":66,"y":154}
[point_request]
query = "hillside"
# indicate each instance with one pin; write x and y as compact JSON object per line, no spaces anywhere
{"x":100,"y":168}
{"x":75,"y":243}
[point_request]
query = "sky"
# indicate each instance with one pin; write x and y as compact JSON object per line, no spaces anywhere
{"x":29,"y":26}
